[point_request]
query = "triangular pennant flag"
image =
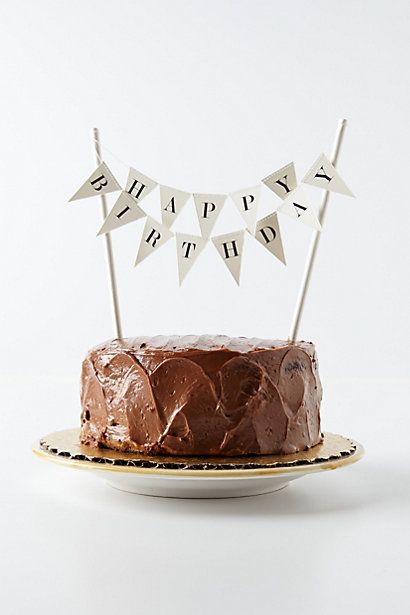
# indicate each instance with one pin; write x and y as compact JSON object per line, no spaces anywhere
{"x":298,"y":207}
{"x":139,"y":185}
{"x":283,"y":181}
{"x":268,"y":234}
{"x":189,"y":247}
{"x":125,"y":210}
{"x":208,"y":208}
{"x":101,"y":181}
{"x":324,"y":175}
{"x":247,"y":202}
{"x":230,"y":248}
{"x":172,"y":203}
{"x":153,"y":237}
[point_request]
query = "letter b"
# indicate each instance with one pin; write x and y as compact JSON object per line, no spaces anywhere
{"x":99,"y":183}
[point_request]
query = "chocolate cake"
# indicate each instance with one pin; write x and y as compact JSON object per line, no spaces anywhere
{"x":201,"y":395}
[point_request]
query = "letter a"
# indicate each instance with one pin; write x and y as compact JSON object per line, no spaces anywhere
{"x":298,"y":207}
{"x":172,"y":203}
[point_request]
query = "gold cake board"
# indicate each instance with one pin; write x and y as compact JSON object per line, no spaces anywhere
{"x":64,"y":447}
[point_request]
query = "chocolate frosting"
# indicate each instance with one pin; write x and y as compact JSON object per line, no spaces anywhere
{"x":201,"y":395}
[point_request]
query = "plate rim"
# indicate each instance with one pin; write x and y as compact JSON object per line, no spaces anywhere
{"x":297,"y":468}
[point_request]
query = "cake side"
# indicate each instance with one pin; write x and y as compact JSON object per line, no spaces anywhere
{"x":206,"y":395}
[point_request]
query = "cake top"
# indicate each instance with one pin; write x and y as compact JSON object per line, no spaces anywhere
{"x":201,"y":343}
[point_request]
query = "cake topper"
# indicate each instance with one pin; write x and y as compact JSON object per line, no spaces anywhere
{"x":283,"y":182}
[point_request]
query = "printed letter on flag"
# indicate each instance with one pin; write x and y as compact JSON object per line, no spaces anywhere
{"x":101,"y":181}
{"x":172,"y":203}
{"x":324,"y":175}
{"x":297,"y":207}
{"x":189,"y":247}
{"x":153,"y":237}
{"x":247,"y":201}
{"x":268,"y":234}
{"x":283,"y":181}
{"x":125,"y":210}
{"x":230,"y":248}
{"x":139,"y":185}
{"x":208,"y":208}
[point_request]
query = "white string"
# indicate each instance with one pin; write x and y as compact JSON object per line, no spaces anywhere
{"x":105,"y":149}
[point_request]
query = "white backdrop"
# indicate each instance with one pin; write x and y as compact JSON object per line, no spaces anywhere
{"x":209,"y":97}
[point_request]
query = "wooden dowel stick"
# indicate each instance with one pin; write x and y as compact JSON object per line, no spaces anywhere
{"x":108,"y":248}
{"x":300,"y":303}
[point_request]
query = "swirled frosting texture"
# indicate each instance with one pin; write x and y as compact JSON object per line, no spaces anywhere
{"x":201,"y":395}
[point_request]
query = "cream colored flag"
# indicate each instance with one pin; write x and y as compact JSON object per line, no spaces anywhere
{"x":153,"y":237}
{"x":283,"y":181}
{"x":125,"y":210}
{"x":230,"y":248}
{"x":208,"y":208}
{"x":324,"y":175}
{"x":298,"y":207}
{"x":172,"y":203}
{"x":247,"y":202}
{"x":268,"y":234}
{"x":101,"y":181}
{"x":139,"y":185}
{"x":189,"y":247}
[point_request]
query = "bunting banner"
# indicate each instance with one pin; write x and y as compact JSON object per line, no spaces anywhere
{"x":293,"y":202}
{"x":297,"y":206}
{"x":247,"y":202}
{"x":189,"y":247}
{"x":101,"y":181}
{"x":153,"y":237}
{"x":125,"y":210}
{"x":139,"y":185}
{"x":172,"y":203}
{"x":208,"y":208}
{"x":324,"y":175}
{"x":230,"y":247}
{"x":283,"y":181}
{"x":268,"y":234}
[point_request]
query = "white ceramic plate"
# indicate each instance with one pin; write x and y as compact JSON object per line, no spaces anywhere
{"x":197,"y":477}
